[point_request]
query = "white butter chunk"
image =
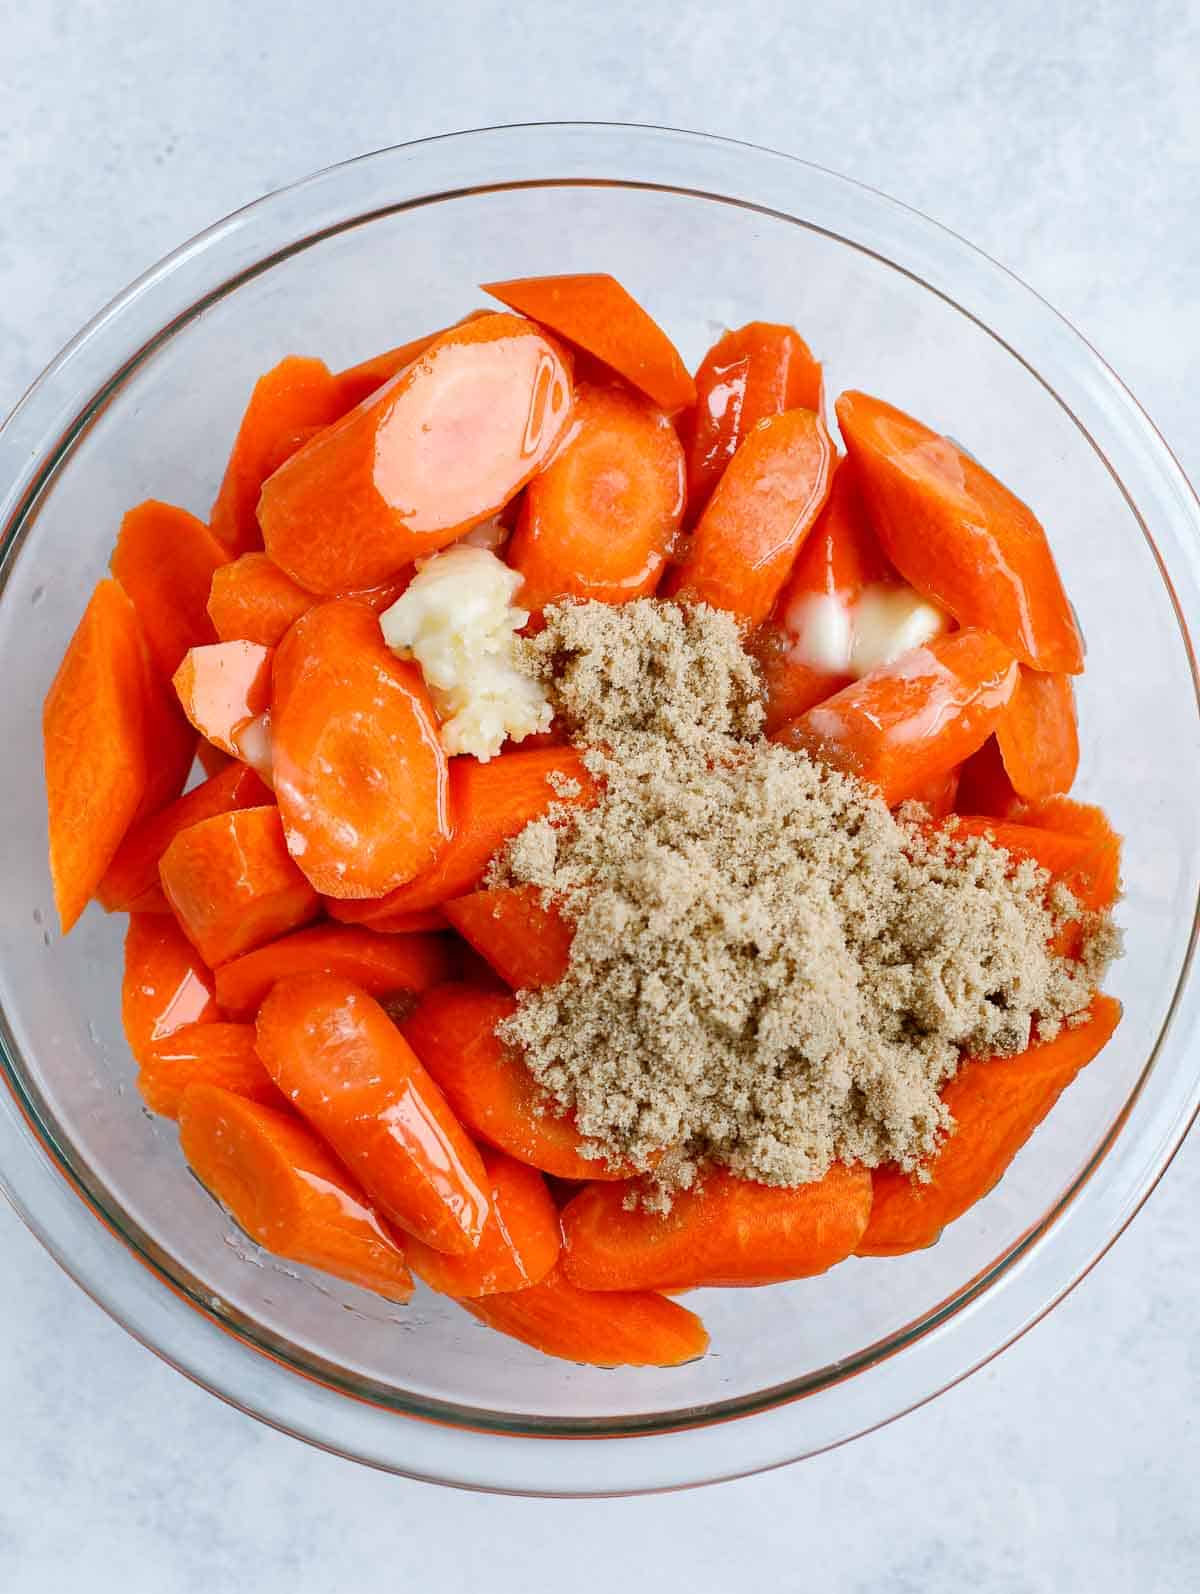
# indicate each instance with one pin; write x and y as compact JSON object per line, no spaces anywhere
{"x":840,"y":637}
{"x":459,"y":622}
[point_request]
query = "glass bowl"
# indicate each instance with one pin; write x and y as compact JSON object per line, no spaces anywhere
{"x":709,"y":234}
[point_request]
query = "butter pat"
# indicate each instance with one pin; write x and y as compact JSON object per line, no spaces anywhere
{"x":839,"y":637}
{"x":459,"y":622}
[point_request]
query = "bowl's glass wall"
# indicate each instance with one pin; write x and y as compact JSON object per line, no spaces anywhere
{"x":700,"y":264}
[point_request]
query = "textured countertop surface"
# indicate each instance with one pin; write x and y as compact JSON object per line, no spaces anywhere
{"x":1065,"y":140}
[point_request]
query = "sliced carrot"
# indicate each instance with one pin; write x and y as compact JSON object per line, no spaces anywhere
{"x":380,"y":964}
{"x":205,"y":1054}
{"x":599,"y":521}
{"x":282,"y":1187}
{"x":294,"y":396}
{"x":519,"y":1244}
{"x":96,"y":758}
{"x":996,"y":1104}
{"x":908,"y":722}
{"x":958,"y":535}
{"x":722,"y":1231}
{"x":253,"y":600}
{"x":387,"y":923}
{"x":211,"y":759}
{"x":222,"y":687}
{"x":358,"y":382}
{"x":632,"y":1329}
{"x":453,"y":1031}
{"x":165,"y":985}
{"x":938,"y":794}
{"x":442,"y":446}
{"x":1038,"y":735}
{"x":165,"y":559}
{"x":488,"y":804}
{"x":1074,"y":818}
{"x":594,"y":311}
{"x":761,"y":369}
{"x":526,"y":943}
{"x":344,"y":1065}
{"x":836,"y":562}
{"x":232,"y":884}
{"x":1088,"y":865}
{"x":758,"y":517}
{"x":984,"y":786}
{"x":134,"y":869}
{"x":360,"y":775}
{"x":170,"y":741}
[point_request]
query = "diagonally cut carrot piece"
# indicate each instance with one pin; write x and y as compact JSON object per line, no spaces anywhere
{"x":440,"y":447}
{"x":233,"y":885}
{"x":282,"y":1187}
{"x":996,"y":1104}
{"x":1038,"y":735}
{"x":519,"y":1244}
{"x":984,"y":786}
{"x":1088,"y":865}
{"x":758,"y":517}
{"x":222,"y":687}
{"x":166,"y":559}
{"x":759,"y":370}
{"x":527,"y":944}
{"x":165,"y":986}
{"x":360,"y":774}
{"x":93,"y":731}
{"x":134,"y":870}
{"x":252,"y":600}
{"x":205,"y":1054}
{"x":722,"y":1231}
{"x":453,"y":1031}
{"x":594,"y":311}
{"x":380,"y":964}
{"x":958,"y":535}
{"x":599,"y":521}
{"x":358,"y":382}
{"x":292,"y":398}
{"x":907,"y":722}
{"x":631,"y":1329}
{"x":340,"y":1060}
{"x":488,"y":804}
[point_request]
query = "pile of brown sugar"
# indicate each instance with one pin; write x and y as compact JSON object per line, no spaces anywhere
{"x":769,"y":970}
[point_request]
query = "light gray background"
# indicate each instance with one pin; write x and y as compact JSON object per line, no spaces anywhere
{"x":1062,"y":138}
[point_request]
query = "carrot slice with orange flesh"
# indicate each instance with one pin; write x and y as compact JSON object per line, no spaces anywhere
{"x":93,"y":732}
{"x":442,"y":446}
{"x":527,"y":944}
{"x":594,"y":311}
{"x":907,"y":722}
{"x":233,"y":885}
{"x":1089,"y":866}
{"x":996,"y":1104}
{"x":171,"y":742}
{"x":1038,"y":735}
{"x":222,"y":687}
{"x":759,"y":370}
{"x":166,"y":559}
{"x":358,"y":382}
{"x":294,"y":396}
{"x":723,"y":1231}
{"x":759,"y":515}
{"x":984,"y":786}
{"x":134,"y":869}
{"x":165,"y":985}
{"x":519,"y":1244}
{"x":958,"y":535}
{"x":619,"y":1329}
{"x":252,"y":600}
{"x":938,"y":794}
{"x":360,"y":775}
{"x":344,"y":1065}
{"x":283,"y":1188}
{"x":380,"y":964}
{"x":211,"y":759}
{"x":452,"y":1029}
{"x":488,"y":804}
{"x":205,"y":1054}
{"x":837,"y":561}
{"x":600,"y":519}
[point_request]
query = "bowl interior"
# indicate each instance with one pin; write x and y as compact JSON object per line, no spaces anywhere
{"x":700,"y":263}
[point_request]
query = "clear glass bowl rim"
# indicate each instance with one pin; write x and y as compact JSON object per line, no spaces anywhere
{"x":458,"y":1445}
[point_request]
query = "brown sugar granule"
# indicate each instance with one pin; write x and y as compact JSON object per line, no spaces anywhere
{"x":769,"y":970}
